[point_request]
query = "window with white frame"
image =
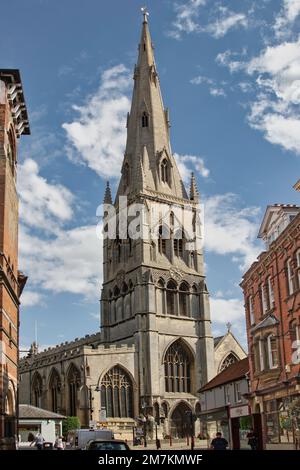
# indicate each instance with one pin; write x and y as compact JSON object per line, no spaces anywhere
{"x":263,"y":299}
{"x":270,"y":292}
{"x":227,"y":394}
{"x":261,"y":349}
{"x":238,"y":393}
{"x":251,"y":310}
{"x":272,"y":352}
{"x":290,"y":276}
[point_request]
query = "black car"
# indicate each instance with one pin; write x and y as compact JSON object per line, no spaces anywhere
{"x":99,"y":444}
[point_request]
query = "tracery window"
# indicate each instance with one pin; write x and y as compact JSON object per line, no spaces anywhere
{"x":171,"y":298}
{"x":228,"y":361}
{"x":73,"y":384}
{"x":55,"y":388}
{"x":177,"y":364}
{"x":117,"y":393}
{"x":37,"y":387}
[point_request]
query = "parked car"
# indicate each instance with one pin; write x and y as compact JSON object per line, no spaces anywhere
{"x":79,"y":438}
{"x":99,"y":444}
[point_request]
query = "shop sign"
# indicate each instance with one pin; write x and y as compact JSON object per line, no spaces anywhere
{"x":239,"y":411}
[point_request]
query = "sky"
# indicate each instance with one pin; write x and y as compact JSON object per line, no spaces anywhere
{"x":230,"y":76}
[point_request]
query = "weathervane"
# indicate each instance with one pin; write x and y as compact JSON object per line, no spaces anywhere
{"x":145,"y":13}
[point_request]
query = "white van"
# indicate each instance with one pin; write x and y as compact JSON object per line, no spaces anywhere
{"x":80,"y":437}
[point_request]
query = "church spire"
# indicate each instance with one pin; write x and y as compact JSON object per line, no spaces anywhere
{"x":194,"y":195}
{"x":148,"y":130}
{"x":107,"y":194}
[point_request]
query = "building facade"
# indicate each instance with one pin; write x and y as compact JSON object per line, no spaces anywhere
{"x":224,"y":406}
{"x":13,"y":123}
{"x":272,"y":298}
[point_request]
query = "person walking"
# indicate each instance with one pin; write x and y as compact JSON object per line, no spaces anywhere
{"x":59,"y":443}
{"x":252,"y":439}
{"x":38,"y":441}
{"x":219,"y":442}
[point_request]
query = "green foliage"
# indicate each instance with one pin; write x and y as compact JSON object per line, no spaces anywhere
{"x":70,"y":423}
{"x":246,"y":422}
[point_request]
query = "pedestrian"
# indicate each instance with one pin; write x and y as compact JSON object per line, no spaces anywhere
{"x":219,"y":442}
{"x":59,"y":443}
{"x":252,"y":439}
{"x":38,"y":441}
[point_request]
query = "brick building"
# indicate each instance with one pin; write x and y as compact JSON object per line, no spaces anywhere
{"x":272,"y":301}
{"x":13,"y":123}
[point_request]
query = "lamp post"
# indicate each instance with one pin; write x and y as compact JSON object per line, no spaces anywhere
{"x":144,"y":419}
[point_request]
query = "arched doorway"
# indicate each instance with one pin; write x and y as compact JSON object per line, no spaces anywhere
{"x":181,"y":421}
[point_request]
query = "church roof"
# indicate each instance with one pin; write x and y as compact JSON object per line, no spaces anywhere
{"x":236,"y":371}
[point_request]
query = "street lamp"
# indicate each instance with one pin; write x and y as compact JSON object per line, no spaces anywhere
{"x":192,"y":420}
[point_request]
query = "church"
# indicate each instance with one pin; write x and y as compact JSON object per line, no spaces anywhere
{"x":155,"y":349}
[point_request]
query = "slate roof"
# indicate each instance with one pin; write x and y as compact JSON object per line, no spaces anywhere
{"x":236,"y":371}
{"x":32,"y":412}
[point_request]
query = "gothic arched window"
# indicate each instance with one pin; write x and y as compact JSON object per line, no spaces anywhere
{"x":164,"y":169}
{"x":54,"y":388}
{"x":171,"y":298}
{"x":160,"y":302}
{"x":145,"y":119}
{"x":73,"y":384}
{"x":183,"y":299}
{"x":228,"y":361}
{"x":117,"y":393}
{"x":37,"y":388}
{"x":177,"y":365}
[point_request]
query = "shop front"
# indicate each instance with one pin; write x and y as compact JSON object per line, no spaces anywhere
{"x":282,"y":422}
{"x":215,"y":421}
{"x":241,"y":425}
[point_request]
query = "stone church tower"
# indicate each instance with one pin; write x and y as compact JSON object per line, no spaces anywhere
{"x":154,"y":292}
{"x":155,"y":349}
{"x":13,"y":123}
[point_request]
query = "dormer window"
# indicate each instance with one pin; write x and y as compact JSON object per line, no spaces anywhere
{"x":145,"y":120}
{"x":164,"y":168}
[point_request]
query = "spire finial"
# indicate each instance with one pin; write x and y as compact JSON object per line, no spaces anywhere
{"x":107,"y":194}
{"x":228,"y":325}
{"x":145,"y":13}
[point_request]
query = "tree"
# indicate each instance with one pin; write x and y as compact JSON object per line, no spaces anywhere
{"x":70,"y":423}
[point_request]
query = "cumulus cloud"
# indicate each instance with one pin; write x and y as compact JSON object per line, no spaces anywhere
{"x":40,"y":201}
{"x":276,"y":109}
{"x":288,"y":14}
{"x":188,"y":163}
{"x":67,"y":262}
{"x":186,"y":18}
{"x":229,"y":59}
{"x":226,"y":310}
{"x":30,"y":298}
{"x":96,"y":138}
{"x":231,"y":230}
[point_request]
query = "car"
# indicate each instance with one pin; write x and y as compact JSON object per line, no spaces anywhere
{"x":100,"y":444}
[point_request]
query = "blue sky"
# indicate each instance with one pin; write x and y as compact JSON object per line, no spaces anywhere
{"x":230,"y":75}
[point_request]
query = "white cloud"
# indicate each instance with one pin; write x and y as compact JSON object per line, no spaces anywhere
{"x":230,"y":230}
{"x":97,"y":137}
{"x":228,"y":59}
{"x":30,"y":298}
{"x":41,"y":202}
{"x":66,"y":263}
{"x":226,"y":310}
{"x":186,"y":18}
{"x":289,"y":12}
{"x":276,"y":109}
{"x":227,"y":21}
{"x":188,"y":163}
{"x":214,"y":89}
